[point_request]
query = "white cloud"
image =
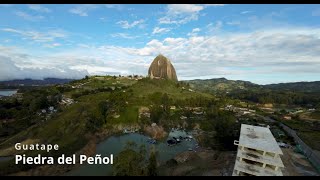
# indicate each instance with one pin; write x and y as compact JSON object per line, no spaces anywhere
{"x":184,"y":8}
{"x":9,"y":71}
{"x":248,"y":56}
{"x":214,"y":4}
{"x":123,"y":35}
{"x":28,"y":17}
{"x":214,"y":28}
{"x":52,"y":45}
{"x":245,"y":12}
{"x":39,"y":8}
{"x":194,"y":32}
{"x":83,"y":10}
{"x":38,"y":36}
{"x":127,"y":25}
{"x":7,"y":40}
{"x":158,"y":30}
{"x":114,"y":6}
{"x":183,"y":13}
{"x":230,"y":55}
{"x":5,"y":5}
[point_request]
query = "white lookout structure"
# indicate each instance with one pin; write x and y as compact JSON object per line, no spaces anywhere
{"x":258,"y":153}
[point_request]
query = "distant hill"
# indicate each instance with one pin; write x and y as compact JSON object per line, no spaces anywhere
{"x":221,"y":85}
{"x":32,"y":82}
{"x":296,"y":86}
{"x":298,"y":93}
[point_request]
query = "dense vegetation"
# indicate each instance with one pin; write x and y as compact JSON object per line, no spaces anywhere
{"x":279,"y":97}
{"x":296,"y":87}
{"x":224,"y":126}
{"x":132,"y":161}
{"x":302,"y":93}
{"x":220,"y":85}
{"x":23,"y":113}
{"x":308,"y":131}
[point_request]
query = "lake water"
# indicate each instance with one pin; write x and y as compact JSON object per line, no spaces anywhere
{"x":6,"y":158}
{"x":115,"y":144}
{"x":7,"y":92}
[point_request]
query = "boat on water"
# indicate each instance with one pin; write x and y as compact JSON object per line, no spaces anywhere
{"x":151,"y":141}
{"x":171,"y":142}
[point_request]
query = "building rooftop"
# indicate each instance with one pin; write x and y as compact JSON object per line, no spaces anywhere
{"x":259,"y":138}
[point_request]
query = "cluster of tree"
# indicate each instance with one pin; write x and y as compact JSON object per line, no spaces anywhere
{"x":94,"y":119}
{"x":161,"y":106}
{"x":64,"y":89}
{"x":24,"y":112}
{"x":279,"y":97}
{"x":183,"y":84}
{"x":92,"y":91}
{"x":33,"y":101}
{"x":132,"y":162}
{"x":198,"y":101}
{"x":296,"y":86}
{"x":162,"y":98}
{"x":224,"y":124}
{"x":106,"y":108}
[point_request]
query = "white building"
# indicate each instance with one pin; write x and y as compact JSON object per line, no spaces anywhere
{"x":258,"y":153}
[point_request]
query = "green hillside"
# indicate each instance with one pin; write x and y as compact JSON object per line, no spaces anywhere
{"x":296,"y":86}
{"x":221,"y":85}
{"x":101,"y":104}
{"x":300,"y":93}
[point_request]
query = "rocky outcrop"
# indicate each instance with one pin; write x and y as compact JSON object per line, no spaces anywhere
{"x":155,"y":131}
{"x":161,"y":68}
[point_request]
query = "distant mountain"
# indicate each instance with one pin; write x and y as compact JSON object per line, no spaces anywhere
{"x":223,"y":85}
{"x":220,"y":85}
{"x":32,"y":82}
{"x":296,"y":86}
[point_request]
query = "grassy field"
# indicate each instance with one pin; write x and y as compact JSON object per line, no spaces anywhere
{"x":128,"y":116}
{"x":107,"y":81}
{"x":145,"y":87}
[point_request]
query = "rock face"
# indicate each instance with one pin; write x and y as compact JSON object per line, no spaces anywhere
{"x":161,"y":67}
{"x":156,"y":132}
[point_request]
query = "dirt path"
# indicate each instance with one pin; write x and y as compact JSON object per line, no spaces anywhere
{"x":205,"y":163}
{"x":296,"y":164}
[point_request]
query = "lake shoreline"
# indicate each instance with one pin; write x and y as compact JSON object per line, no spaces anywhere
{"x":8,"y":92}
{"x":89,"y":150}
{"x":59,"y":170}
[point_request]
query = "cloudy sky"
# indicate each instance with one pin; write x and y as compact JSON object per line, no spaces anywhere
{"x":259,"y":43}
